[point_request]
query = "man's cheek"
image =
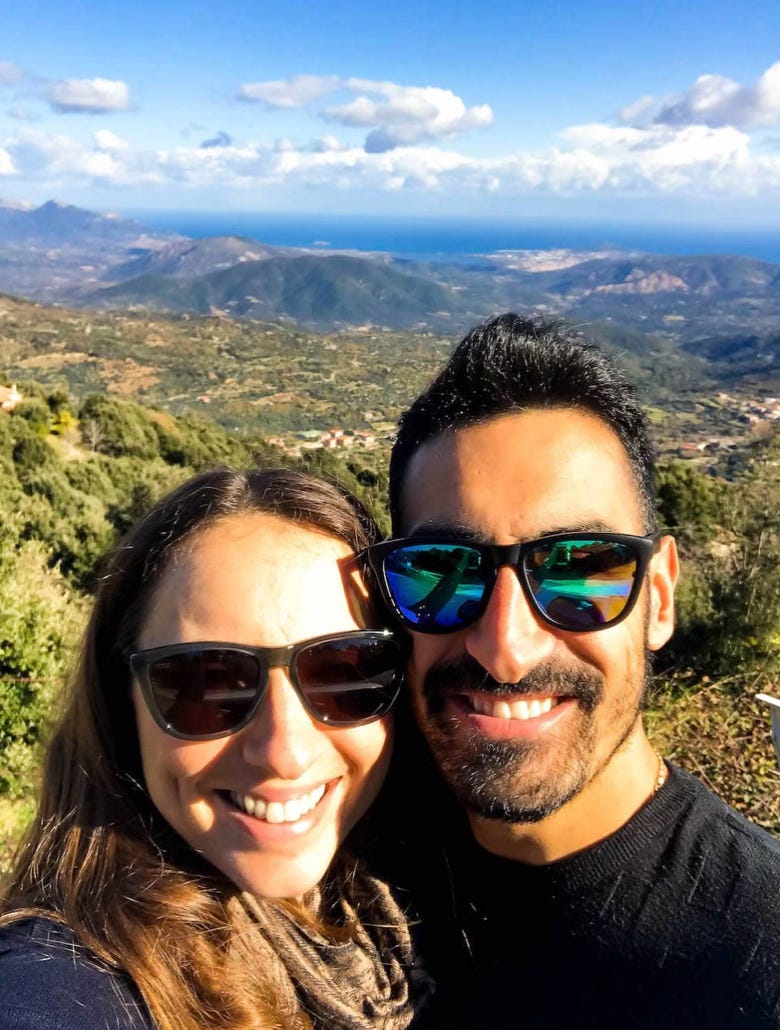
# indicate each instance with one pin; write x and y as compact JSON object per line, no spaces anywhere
{"x":420,"y":662}
{"x":415,"y":679}
{"x":421,"y":659}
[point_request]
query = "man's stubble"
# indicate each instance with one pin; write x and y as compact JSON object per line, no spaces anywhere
{"x":522,"y":781}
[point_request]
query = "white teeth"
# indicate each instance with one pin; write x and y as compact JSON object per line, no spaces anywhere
{"x":292,"y":811}
{"x":500,"y":709}
{"x":278,"y":811}
{"x":274,"y":812}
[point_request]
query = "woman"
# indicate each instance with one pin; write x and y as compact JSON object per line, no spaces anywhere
{"x":226,"y":730}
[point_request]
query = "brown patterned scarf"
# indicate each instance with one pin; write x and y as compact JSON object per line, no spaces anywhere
{"x":365,"y":981}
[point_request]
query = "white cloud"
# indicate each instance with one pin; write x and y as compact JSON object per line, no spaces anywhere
{"x":9,"y":74}
{"x":405,"y":115}
{"x":640,"y":111}
{"x":325,"y":143}
{"x":700,"y":142}
{"x":297,"y":91}
{"x":398,"y":116}
{"x":664,"y":159}
{"x":715,"y":101}
{"x":107,"y":140}
{"x":642,"y":160}
{"x":55,"y":158}
{"x":89,"y":96}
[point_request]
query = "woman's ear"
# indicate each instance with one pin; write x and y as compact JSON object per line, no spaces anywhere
{"x":661,"y":581}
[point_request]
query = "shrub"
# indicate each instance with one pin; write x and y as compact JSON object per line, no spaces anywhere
{"x":730,"y":591}
{"x":40,"y":620}
{"x":116,"y":427}
{"x":35,"y":412}
{"x":32,"y":456}
{"x":687,"y":500}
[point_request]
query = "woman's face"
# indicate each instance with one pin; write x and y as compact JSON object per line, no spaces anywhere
{"x":260,"y":580}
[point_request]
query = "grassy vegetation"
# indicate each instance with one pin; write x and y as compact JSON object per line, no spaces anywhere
{"x":15,"y":814}
{"x":720,"y":733}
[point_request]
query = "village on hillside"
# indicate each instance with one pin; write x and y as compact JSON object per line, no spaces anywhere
{"x":747,"y":418}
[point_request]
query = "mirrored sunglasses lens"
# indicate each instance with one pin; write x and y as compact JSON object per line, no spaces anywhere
{"x":205,"y":692}
{"x":351,"y":680}
{"x":436,"y":586}
{"x":582,"y":584}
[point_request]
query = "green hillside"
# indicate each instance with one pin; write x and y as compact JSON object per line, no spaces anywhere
{"x":273,"y":378}
{"x":312,"y":290}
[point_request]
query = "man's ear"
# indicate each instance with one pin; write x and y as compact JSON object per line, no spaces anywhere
{"x":661,"y":581}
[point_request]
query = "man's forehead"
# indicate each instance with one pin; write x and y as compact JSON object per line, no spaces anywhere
{"x":546,"y":469}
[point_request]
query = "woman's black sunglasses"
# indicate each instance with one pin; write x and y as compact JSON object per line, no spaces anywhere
{"x":579,"y":582}
{"x":200,"y":691}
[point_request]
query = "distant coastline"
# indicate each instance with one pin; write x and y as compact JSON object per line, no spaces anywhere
{"x":455,"y":239}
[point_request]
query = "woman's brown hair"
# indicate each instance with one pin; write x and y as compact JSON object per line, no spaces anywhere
{"x":98,"y":857}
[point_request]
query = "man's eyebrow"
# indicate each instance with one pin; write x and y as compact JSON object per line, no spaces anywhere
{"x":582,"y":526}
{"x":466,"y":532}
{"x":432,"y":529}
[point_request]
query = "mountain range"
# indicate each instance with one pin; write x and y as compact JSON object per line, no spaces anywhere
{"x":721,"y":309}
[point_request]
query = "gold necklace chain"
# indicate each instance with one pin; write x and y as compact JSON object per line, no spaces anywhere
{"x":663,"y":772}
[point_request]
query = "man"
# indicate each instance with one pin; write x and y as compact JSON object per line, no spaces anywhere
{"x":595,"y":886}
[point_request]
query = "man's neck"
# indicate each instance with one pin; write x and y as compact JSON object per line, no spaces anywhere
{"x":605,"y":804}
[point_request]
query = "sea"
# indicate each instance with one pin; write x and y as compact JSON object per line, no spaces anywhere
{"x":439,"y":239}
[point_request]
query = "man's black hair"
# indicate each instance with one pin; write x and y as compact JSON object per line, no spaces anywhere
{"x":511,"y":364}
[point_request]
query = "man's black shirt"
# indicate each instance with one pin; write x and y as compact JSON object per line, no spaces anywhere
{"x":672,"y":922}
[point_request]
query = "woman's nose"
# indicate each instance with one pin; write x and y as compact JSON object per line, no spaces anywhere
{"x":282,"y":738}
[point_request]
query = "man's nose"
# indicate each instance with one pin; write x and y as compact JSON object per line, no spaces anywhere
{"x":282,"y":738}
{"x":509,"y":640}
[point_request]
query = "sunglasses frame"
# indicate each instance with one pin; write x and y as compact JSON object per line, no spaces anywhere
{"x":283,"y":656}
{"x":498,"y":556}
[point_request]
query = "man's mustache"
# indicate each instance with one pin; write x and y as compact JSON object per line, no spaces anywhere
{"x":467,"y":675}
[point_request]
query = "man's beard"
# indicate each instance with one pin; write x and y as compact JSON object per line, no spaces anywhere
{"x":522,"y":781}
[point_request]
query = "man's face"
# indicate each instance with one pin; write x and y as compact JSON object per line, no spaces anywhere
{"x":520,"y":715}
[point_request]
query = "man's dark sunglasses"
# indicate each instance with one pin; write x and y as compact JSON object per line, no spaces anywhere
{"x":580,"y":582}
{"x":200,"y":691}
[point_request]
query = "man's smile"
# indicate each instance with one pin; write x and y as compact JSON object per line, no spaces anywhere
{"x":524,"y":708}
{"x":522,"y":717}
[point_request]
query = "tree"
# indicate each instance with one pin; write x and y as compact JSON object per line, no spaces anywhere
{"x":686,"y":500}
{"x":36,"y":414}
{"x":40,"y":620}
{"x":118,"y":427}
{"x":730,"y":596}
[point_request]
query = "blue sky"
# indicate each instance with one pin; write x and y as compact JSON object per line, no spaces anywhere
{"x":642,"y":111}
